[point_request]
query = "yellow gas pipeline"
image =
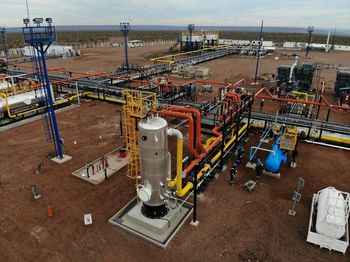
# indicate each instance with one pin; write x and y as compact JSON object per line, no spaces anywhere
{"x":63,"y":101}
{"x":178,"y":181}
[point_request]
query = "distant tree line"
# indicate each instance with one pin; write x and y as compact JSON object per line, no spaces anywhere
{"x":15,"y":40}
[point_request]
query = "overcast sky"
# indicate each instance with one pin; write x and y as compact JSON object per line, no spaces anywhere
{"x":292,"y":13}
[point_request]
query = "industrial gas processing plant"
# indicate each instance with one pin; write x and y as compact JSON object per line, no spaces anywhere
{"x":204,"y":148}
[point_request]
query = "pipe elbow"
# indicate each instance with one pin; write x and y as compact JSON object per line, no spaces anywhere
{"x":185,"y":190}
{"x":175,"y":132}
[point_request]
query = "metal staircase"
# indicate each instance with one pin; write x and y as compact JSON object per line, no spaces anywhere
{"x":138,"y":105}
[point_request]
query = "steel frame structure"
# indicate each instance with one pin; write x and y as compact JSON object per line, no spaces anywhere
{"x":40,"y":38}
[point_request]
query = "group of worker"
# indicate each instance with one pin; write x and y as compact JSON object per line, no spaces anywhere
{"x":259,"y":166}
{"x":234,"y":168}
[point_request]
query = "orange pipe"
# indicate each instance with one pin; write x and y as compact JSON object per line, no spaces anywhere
{"x":292,"y":100}
{"x":211,"y":147}
{"x":225,"y":105}
{"x":230,"y":101}
{"x":198,"y":124}
{"x":235,"y":96}
{"x":191,"y":128}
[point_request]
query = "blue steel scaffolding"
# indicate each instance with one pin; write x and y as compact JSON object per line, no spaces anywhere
{"x":40,"y":38}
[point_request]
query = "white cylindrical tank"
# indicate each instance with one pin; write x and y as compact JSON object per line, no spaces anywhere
{"x":153,"y":146}
{"x":210,"y":37}
{"x":22,"y":100}
{"x":195,"y":38}
{"x":331,"y":213}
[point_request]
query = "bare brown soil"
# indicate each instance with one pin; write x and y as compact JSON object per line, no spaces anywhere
{"x":234,"y":225}
{"x":106,"y":59}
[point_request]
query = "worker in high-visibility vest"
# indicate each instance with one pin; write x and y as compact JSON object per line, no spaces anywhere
{"x":233,"y":174}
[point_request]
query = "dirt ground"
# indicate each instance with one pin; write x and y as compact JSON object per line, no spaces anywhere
{"x":234,"y":225}
{"x":106,"y":59}
{"x":229,"y":69}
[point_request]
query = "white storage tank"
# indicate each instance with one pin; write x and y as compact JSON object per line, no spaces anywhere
{"x":153,"y":148}
{"x":195,"y":38}
{"x":211,"y":37}
{"x":331,"y":217}
{"x":23,"y":100}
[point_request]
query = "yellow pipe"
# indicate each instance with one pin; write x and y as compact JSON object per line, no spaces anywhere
{"x":233,"y":138}
{"x":63,"y":101}
{"x":107,"y":99}
{"x":185,"y":190}
{"x":178,"y":179}
{"x":209,"y":141}
{"x":179,"y":164}
{"x":324,"y":137}
{"x":189,"y":185}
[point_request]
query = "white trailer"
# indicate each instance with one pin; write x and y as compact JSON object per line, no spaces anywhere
{"x":289,"y":44}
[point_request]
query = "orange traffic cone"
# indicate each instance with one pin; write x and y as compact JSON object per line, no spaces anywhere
{"x":50,"y":212}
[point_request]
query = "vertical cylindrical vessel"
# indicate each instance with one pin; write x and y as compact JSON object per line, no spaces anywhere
{"x":153,"y":146}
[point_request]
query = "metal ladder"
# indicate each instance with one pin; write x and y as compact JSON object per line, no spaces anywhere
{"x":137,"y":106}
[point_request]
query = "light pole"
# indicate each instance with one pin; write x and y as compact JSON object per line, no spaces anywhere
{"x":125,"y":29}
{"x":190,"y":28}
{"x":258,"y":55}
{"x":4,"y":45}
{"x":40,"y":37}
{"x":310,"y":29}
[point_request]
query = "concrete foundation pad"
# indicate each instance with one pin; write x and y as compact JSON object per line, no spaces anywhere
{"x":278,"y":175}
{"x":64,"y":159}
{"x":158,"y":231}
{"x":292,"y":212}
{"x":96,"y":169}
{"x":157,"y":226}
{"x":250,"y":165}
{"x":195,"y":224}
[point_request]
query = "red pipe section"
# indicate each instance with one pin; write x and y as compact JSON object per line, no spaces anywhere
{"x":191,"y":128}
{"x":235,"y":96}
{"x":198,"y":124}
{"x":211,"y":147}
{"x":262,"y":90}
{"x":216,"y":132}
{"x":292,"y":100}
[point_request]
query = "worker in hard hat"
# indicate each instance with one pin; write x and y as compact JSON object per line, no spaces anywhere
{"x":262,"y":102}
{"x":240,"y":153}
{"x":294,"y":158}
{"x":259,"y":169}
{"x":233,"y":174}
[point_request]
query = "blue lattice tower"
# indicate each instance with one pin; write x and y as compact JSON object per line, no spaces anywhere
{"x":190,"y":28}
{"x":40,"y":38}
{"x":309,"y":29}
{"x":125,"y":29}
{"x":4,"y":44}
